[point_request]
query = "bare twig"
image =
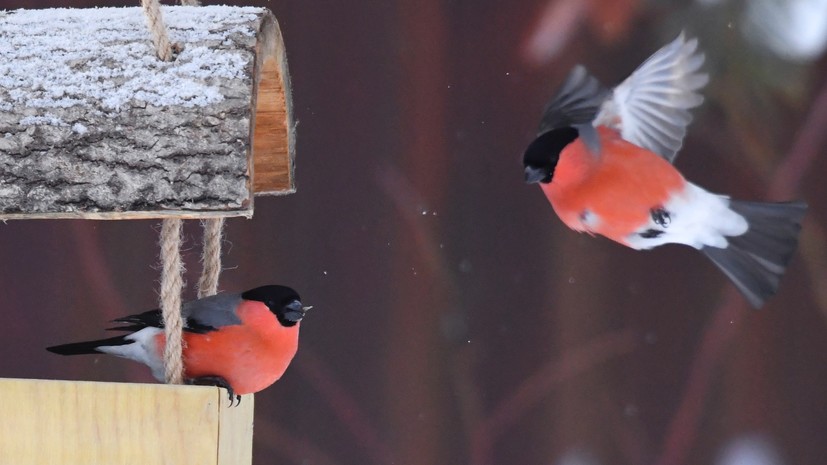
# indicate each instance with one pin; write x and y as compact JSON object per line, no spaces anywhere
{"x":683,"y":428}
{"x":809,"y":143}
{"x":558,"y":22}
{"x":344,"y":407}
{"x":406,"y":200}
{"x":536,"y":387}
{"x":98,"y":270}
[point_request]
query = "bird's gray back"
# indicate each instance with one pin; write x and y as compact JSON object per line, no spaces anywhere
{"x":214,"y":311}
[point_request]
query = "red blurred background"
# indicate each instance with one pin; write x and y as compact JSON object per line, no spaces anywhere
{"x":456,"y":320}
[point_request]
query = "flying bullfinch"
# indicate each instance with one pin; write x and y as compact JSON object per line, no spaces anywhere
{"x":604,"y":158}
{"x":241,"y":342}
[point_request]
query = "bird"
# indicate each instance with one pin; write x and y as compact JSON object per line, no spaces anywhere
{"x":242,"y":342}
{"x":604,"y":159}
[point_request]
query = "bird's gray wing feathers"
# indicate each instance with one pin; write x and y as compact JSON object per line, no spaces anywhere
{"x":211,"y":313}
{"x":575,"y":105}
{"x":651,"y":107}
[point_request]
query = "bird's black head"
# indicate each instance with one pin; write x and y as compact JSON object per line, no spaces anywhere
{"x":541,"y":157}
{"x":283,"y":301}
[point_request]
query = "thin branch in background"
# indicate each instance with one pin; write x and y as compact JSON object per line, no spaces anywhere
{"x":94,"y":265}
{"x":808,"y":144}
{"x":556,"y":25}
{"x":537,"y":386}
{"x":753,"y":146}
{"x":404,"y":198}
{"x":467,"y":390}
{"x":684,"y":426}
{"x":407,"y":203}
{"x":344,"y":406}
{"x":560,"y":20}
{"x":813,"y":246}
{"x":277,"y":440}
{"x":627,"y":430}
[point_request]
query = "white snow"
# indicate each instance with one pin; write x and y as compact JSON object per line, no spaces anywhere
{"x":58,"y":58}
{"x":45,"y":120}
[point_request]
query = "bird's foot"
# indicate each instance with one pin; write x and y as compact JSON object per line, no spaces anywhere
{"x":217,"y":381}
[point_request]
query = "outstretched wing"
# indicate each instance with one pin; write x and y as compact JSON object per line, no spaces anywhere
{"x":200,"y":316}
{"x":651,"y":107}
{"x":575,"y":105}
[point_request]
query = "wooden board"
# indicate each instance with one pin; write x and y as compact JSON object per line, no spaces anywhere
{"x":93,"y":126}
{"x":48,"y":422}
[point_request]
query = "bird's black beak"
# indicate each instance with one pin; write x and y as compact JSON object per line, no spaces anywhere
{"x":534,"y":175}
{"x":294,"y":311}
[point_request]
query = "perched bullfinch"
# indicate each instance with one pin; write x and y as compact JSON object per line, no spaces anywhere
{"x":604,"y":158}
{"x":241,"y":342}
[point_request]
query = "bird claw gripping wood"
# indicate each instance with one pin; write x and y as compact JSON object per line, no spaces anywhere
{"x":217,"y":381}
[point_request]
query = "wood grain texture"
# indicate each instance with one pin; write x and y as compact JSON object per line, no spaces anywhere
{"x":93,"y":126}
{"x":274,"y":133}
{"x":66,"y":422}
{"x":235,"y":431}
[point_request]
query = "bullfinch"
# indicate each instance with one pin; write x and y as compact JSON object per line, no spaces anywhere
{"x":603,"y":158}
{"x":242,"y":342}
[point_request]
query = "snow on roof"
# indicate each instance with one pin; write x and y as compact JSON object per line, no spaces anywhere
{"x":58,"y":58}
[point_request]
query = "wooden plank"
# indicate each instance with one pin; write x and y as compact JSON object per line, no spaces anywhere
{"x":47,"y":422}
{"x":235,"y":432}
{"x":129,"y":215}
{"x":273,"y":125}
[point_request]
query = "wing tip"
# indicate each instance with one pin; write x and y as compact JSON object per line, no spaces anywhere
{"x":576,"y":102}
{"x":669,"y":83}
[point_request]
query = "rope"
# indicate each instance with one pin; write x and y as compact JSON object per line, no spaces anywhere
{"x":171,"y":286}
{"x":172,"y":267}
{"x":211,"y":257}
{"x":155,"y":22}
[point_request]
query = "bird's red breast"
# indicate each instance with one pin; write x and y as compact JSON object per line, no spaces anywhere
{"x":613,"y":193}
{"x":250,"y":356}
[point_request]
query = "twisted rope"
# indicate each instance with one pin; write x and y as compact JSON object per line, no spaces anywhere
{"x":171,"y":286}
{"x":211,"y":257}
{"x":172,"y":282}
{"x":155,"y":22}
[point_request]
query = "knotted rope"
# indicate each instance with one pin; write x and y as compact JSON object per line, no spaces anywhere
{"x":155,"y":22}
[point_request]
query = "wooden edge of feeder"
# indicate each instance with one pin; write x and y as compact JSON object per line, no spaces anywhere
{"x":57,"y":422}
{"x":273,"y":127}
{"x":129,"y":215}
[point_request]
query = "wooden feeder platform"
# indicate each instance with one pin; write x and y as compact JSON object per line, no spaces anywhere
{"x":93,"y":125}
{"x":75,"y":422}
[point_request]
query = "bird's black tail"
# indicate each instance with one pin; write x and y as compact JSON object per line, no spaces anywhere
{"x":89,"y":347}
{"x":755,"y":260}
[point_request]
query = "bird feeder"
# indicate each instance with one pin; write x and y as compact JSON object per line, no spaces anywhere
{"x":78,"y":422}
{"x":94,"y":126}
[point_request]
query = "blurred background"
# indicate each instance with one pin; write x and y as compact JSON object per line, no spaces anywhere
{"x":456,"y":320}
